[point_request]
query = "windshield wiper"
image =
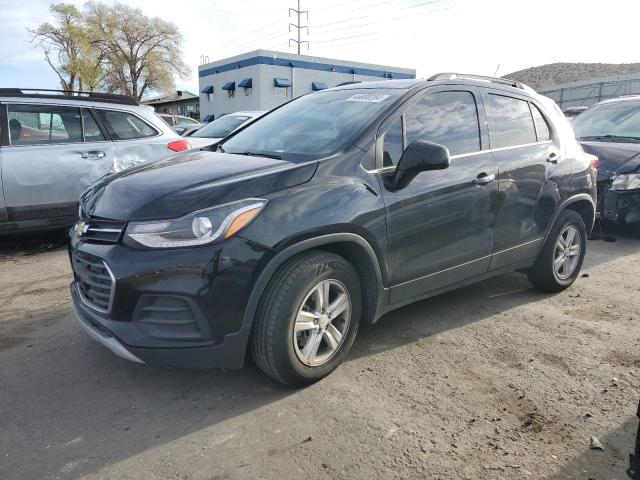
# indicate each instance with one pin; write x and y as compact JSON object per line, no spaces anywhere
{"x":611,"y":138}
{"x":266,"y":155}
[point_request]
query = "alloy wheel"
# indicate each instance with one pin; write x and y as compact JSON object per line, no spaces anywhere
{"x":322,"y":323}
{"x":567,"y":251}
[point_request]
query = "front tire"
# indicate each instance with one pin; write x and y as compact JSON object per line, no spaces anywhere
{"x":560,"y":260}
{"x":307,"y":319}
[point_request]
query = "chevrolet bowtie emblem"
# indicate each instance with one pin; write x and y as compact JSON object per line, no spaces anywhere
{"x":80,"y":228}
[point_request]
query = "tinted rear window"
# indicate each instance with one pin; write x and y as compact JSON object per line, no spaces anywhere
{"x":510,"y":120}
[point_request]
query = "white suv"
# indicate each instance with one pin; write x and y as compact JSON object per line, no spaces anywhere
{"x":52,"y":147}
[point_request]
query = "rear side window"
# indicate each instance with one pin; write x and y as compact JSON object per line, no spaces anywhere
{"x":125,"y":126}
{"x":542,"y":129}
{"x":511,"y":121}
{"x":38,"y":124}
{"x":91,"y":131}
{"x":447,"y":118}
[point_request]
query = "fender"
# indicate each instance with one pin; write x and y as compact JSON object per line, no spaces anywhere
{"x":573,"y":199}
{"x":287,"y":253}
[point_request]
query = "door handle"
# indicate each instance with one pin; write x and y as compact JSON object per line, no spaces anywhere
{"x":552,"y":158}
{"x":92,"y":154}
{"x":483,"y":179}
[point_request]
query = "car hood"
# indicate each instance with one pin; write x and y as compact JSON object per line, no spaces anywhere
{"x":614,"y":157}
{"x":199,"y":142}
{"x":188,"y":182}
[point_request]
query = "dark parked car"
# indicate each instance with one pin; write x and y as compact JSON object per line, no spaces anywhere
{"x":326,"y":213}
{"x":610,"y":130}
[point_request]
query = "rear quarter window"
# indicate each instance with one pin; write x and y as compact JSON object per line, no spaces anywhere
{"x":125,"y":126}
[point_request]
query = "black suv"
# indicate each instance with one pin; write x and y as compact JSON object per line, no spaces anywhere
{"x":328,"y":212}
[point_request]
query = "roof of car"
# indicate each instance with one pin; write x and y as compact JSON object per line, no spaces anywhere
{"x":440,"y":78}
{"x":59,"y":95}
{"x":626,"y":98}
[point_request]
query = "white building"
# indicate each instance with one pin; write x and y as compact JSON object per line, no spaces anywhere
{"x":264,"y":79}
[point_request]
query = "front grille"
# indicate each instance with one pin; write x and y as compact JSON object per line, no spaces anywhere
{"x":95,"y":282}
{"x":102,"y":230}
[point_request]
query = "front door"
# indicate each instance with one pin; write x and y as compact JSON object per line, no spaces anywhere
{"x":439,"y":228}
{"x":523,"y":148}
{"x":54,"y":154}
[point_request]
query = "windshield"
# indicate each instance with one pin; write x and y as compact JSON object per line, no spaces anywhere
{"x":221,"y":127}
{"x":609,"y":121}
{"x":315,"y":125}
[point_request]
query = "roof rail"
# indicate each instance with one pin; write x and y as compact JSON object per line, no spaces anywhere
{"x":68,"y":95}
{"x":482,"y":78}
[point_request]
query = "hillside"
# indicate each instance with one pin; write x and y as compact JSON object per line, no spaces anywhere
{"x":558,"y":73}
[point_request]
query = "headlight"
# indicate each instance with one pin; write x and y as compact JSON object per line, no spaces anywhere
{"x":197,"y":228}
{"x":626,"y":182}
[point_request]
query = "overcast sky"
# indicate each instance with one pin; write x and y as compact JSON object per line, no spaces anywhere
{"x":471,"y":36}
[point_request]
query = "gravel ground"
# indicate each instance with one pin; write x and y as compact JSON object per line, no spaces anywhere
{"x":493,"y":381}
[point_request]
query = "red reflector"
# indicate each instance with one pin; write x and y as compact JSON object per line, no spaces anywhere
{"x":179,"y":146}
{"x":595,"y":162}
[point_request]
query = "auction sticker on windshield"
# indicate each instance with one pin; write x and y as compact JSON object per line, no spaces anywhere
{"x":367,"y":97}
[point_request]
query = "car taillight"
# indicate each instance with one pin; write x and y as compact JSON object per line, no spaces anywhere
{"x":595,"y":161}
{"x":179,"y":146}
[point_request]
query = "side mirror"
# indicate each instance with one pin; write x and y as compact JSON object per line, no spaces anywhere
{"x":418,"y":157}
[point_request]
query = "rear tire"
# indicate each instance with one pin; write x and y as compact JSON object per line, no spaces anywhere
{"x":307,"y":318}
{"x":560,"y":260}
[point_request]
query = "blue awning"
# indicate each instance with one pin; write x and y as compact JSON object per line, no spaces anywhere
{"x":208,"y":89}
{"x":315,"y":86}
{"x":208,"y":118}
{"x":282,"y":82}
{"x":229,"y":86}
{"x":246,"y":83}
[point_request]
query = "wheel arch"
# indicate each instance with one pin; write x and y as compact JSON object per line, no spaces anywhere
{"x":581,"y":203}
{"x":351,"y":246}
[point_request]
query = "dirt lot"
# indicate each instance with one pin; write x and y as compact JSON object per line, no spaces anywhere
{"x":488,"y":382}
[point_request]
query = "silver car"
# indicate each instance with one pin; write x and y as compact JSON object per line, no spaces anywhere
{"x":54,"y":146}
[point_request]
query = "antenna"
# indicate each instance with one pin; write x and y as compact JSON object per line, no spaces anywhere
{"x":298,"y":27}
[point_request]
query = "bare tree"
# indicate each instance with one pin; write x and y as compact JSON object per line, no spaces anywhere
{"x":141,"y":53}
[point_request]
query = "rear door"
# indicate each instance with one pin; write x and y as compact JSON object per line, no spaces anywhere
{"x":136,"y":139}
{"x":522,"y":146}
{"x":53,"y":154}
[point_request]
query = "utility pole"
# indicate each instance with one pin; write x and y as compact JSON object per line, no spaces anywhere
{"x":298,"y":26}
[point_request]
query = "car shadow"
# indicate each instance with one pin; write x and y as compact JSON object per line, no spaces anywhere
{"x":619,"y":459}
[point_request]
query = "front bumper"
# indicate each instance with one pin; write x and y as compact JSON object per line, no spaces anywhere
{"x":177,"y":308}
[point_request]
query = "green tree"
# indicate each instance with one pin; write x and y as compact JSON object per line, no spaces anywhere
{"x":64,"y":42}
{"x":141,"y":53}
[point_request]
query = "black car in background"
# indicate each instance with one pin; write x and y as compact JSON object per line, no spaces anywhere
{"x":610,"y":130}
{"x":328,"y":212}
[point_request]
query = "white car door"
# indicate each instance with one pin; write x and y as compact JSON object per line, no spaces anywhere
{"x":54,"y":153}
